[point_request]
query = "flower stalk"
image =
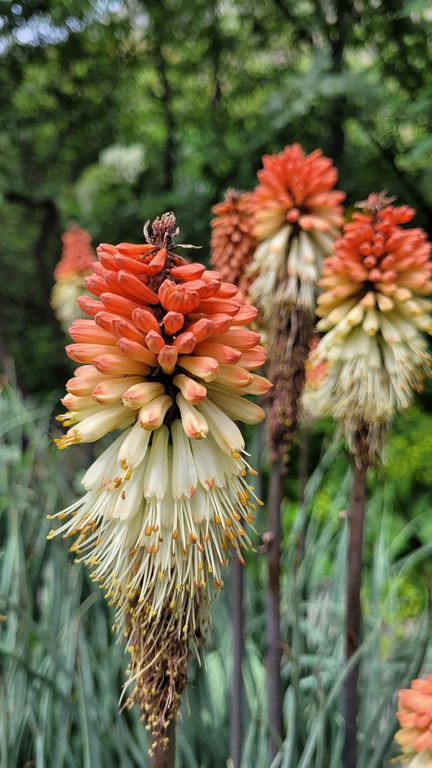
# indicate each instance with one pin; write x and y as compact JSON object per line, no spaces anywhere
{"x":356,"y":521}
{"x":297,"y":216}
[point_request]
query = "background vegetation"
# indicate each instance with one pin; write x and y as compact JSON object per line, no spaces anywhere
{"x":112,"y":112}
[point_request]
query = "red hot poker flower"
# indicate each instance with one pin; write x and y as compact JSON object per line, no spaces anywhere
{"x":166,"y":358}
{"x":297,"y":215}
{"x":374,"y":308}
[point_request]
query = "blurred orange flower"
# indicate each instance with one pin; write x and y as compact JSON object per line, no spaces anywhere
{"x":415,"y":718}
{"x":297,"y":216}
{"x":76,"y":262}
{"x":232,"y":241}
{"x":297,"y":188}
{"x":374,"y":308}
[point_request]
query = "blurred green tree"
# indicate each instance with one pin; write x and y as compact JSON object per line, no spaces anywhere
{"x":199,"y":90}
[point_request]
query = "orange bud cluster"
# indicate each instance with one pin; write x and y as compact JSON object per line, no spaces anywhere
{"x":154,"y":311}
{"x":376,"y":256}
{"x":297,"y":188}
{"x":415,"y":718}
{"x":297,"y":216}
{"x":233,"y":241}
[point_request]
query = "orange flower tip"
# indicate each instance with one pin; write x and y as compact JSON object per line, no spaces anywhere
{"x":258,"y":386}
{"x":200,"y":329}
{"x":84,"y":353}
{"x":88,"y":305}
{"x":246,"y":314}
{"x":188,"y":271}
{"x":120,"y":365}
{"x":124,"y":328}
{"x":133,"y":286}
{"x":227,"y":290}
{"x":158,"y":261}
{"x":194,"y":423}
{"x":111,"y":391}
{"x":293,"y":215}
{"x":220,"y":323}
{"x":87,"y":331}
{"x":151,"y":416}
{"x":173,"y":322}
{"x":185,"y":342}
{"x":106,"y":248}
{"x":118,"y":305}
{"x":253,"y":358}
{"x":240,"y":338}
{"x":105,"y":320}
{"x":154,"y":342}
{"x":191,"y":390}
{"x":220,"y":306}
{"x":220,"y":352}
{"x":135,"y":250}
{"x":145,"y":320}
{"x":205,"y":368}
{"x":136,"y":351}
{"x":167,"y":358}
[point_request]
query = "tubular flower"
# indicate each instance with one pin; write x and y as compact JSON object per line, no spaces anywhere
{"x":75,"y":264}
{"x":415,"y":718}
{"x":167,"y":359}
{"x":374,"y":309}
{"x":233,"y":242}
{"x":297,"y":217}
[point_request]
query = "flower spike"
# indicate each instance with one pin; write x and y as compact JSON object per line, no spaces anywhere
{"x":167,"y":503}
{"x":297,"y":215}
{"x":374,"y":308}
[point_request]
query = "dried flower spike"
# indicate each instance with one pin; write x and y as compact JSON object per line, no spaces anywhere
{"x":297,"y":217}
{"x":374,"y":310}
{"x":233,"y":242}
{"x":167,"y":359}
{"x":415,"y":717}
{"x":75,"y":264}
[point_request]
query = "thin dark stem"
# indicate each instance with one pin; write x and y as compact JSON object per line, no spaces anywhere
{"x":353,"y":610}
{"x":274,"y":686}
{"x":165,"y":758}
{"x":237,"y":682}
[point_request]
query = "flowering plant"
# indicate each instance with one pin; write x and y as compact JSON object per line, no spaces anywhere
{"x":167,"y":359}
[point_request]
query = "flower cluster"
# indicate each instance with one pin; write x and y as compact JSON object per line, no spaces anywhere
{"x":167,"y":358}
{"x":374,"y":309}
{"x":233,"y":242}
{"x":76,"y":262}
{"x":297,"y":216}
{"x":415,"y":718}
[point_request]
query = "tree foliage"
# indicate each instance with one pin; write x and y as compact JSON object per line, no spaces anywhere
{"x":201,"y":89}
